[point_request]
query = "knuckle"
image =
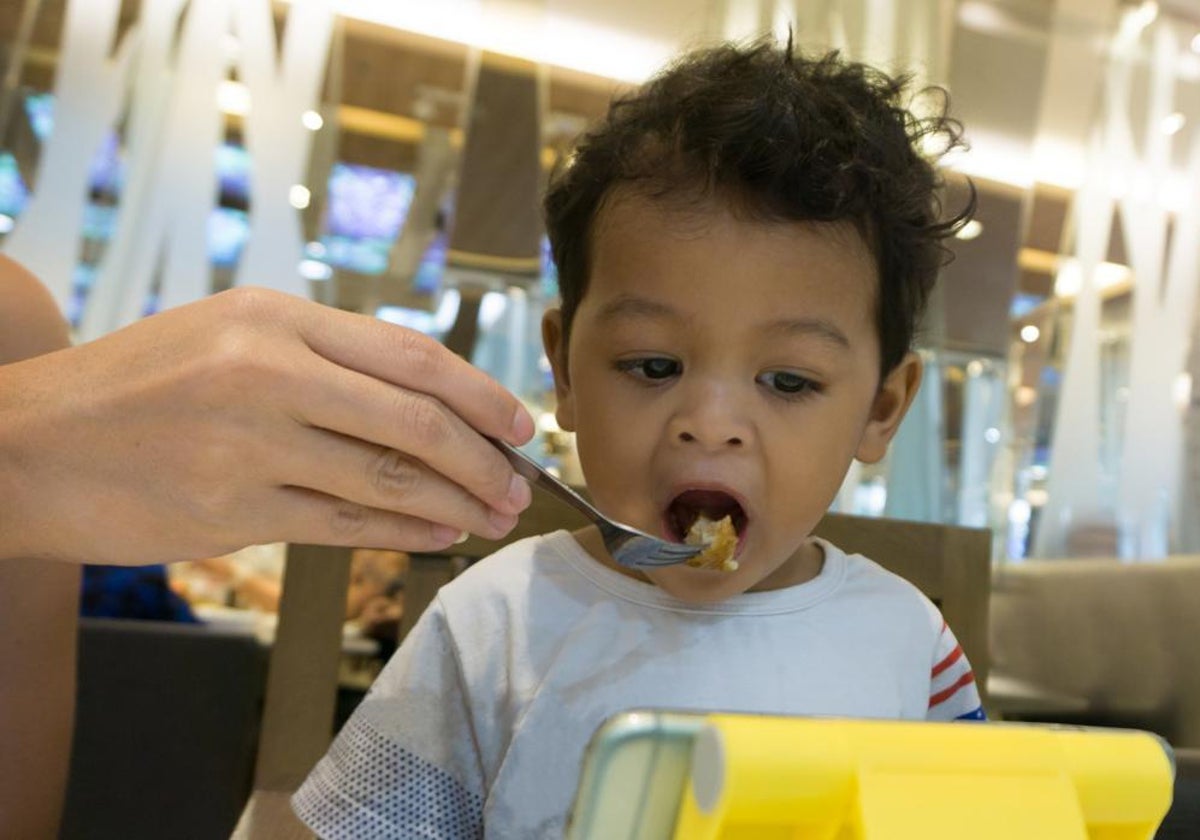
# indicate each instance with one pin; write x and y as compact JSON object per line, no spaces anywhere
{"x":423,"y":421}
{"x":242,"y":349}
{"x":223,"y":474}
{"x":232,"y":361}
{"x":498,"y":476}
{"x":501,"y":403}
{"x":394,"y":475}
{"x":250,"y":304}
{"x":215,"y":499}
{"x":213,"y":502}
{"x":422,"y":355}
{"x":348,"y":520}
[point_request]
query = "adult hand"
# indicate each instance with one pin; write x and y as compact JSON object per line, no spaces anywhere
{"x":251,"y":417}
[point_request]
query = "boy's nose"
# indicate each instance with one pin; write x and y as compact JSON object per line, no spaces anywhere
{"x":688,"y":437}
{"x":711,"y":420}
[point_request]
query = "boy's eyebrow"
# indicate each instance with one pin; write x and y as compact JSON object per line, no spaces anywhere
{"x":818,"y":327}
{"x":633,"y":306}
{"x":630,"y":305}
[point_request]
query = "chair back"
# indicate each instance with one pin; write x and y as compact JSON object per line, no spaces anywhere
{"x":301,"y":696}
{"x":165,"y":730}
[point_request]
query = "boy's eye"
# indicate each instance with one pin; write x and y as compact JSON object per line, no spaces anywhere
{"x":656,"y":367}
{"x":787,"y":383}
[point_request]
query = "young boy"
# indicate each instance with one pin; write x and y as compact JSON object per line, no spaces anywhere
{"x":743,"y":246}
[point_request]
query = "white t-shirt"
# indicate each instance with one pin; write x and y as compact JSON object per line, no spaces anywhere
{"x":477,"y":726}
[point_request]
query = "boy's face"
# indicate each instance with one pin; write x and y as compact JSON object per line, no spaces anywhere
{"x":725,"y":365}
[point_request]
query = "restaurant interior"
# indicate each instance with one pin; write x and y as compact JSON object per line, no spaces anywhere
{"x":387,"y":158}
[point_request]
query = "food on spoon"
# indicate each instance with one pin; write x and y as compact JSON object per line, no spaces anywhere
{"x":720,"y":541}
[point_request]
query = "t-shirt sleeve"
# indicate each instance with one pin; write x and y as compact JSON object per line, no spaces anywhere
{"x":406,"y":764}
{"x":953,"y":694}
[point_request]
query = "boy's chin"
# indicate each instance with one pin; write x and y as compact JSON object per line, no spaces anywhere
{"x":698,"y":586}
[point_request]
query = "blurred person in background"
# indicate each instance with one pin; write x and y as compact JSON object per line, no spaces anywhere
{"x":136,"y":592}
{"x":252,"y":579}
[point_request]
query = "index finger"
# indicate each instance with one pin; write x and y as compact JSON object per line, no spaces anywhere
{"x":417,"y":362}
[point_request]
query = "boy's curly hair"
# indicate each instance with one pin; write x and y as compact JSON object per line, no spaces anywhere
{"x":786,"y":138}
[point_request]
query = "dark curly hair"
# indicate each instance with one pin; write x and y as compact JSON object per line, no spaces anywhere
{"x":785,"y":138}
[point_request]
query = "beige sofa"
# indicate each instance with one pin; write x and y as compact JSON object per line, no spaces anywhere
{"x":1124,"y":637}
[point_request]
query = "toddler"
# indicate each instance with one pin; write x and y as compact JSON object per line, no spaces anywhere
{"x":744,"y":246}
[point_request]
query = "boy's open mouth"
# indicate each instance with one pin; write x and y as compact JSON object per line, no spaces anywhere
{"x":714,"y":505}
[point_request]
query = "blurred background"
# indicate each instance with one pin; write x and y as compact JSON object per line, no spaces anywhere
{"x":387,"y":158}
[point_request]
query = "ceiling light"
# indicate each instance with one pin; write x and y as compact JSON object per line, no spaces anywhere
{"x":970,"y":230}
{"x":233,"y":98}
{"x":315,"y":270}
{"x":7,"y":223}
{"x":1171,"y":123}
{"x":522,"y":30}
{"x":1182,"y":391}
{"x":982,"y":17}
{"x":447,"y":310}
{"x":1133,"y":22}
{"x":1030,"y":333}
{"x":312,"y":120}
{"x":299,"y":196}
{"x":1069,"y":281}
{"x":1020,"y":512}
{"x":491,"y":307}
{"x":1187,"y":67}
{"x":1145,"y":14}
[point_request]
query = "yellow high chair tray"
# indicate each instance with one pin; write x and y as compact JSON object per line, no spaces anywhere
{"x":660,"y":775}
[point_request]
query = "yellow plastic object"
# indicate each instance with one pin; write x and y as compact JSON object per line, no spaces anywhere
{"x":762,"y":778}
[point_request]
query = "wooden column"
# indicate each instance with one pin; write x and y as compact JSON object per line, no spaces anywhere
{"x":302,"y":678}
{"x":496,"y":238}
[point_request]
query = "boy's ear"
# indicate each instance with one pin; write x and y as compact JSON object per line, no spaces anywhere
{"x":555,"y":345}
{"x":892,"y":400}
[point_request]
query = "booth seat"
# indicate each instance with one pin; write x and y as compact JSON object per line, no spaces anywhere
{"x":1121,"y":636}
{"x":166,"y":729}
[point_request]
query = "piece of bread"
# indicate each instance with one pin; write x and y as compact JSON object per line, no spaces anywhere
{"x":720,"y":541}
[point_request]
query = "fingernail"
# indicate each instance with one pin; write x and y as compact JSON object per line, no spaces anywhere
{"x":519,"y":494}
{"x":446,"y":534}
{"x":522,"y":426}
{"x":502,"y":522}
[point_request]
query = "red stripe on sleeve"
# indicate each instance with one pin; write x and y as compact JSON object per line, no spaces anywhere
{"x":949,"y":659}
{"x":946,"y":693}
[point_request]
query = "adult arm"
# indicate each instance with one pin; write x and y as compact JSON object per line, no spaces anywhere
{"x":39,"y":605}
{"x":251,"y":417}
